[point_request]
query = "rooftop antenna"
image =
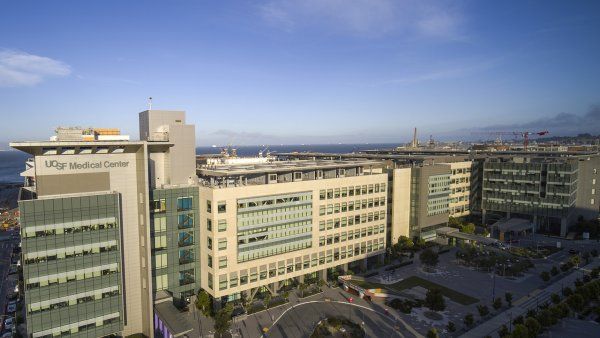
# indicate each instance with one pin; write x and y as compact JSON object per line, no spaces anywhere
{"x":150,"y":103}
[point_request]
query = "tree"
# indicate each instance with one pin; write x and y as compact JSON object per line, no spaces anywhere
{"x":204,"y":303}
{"x":405,"y":243}
{"x":468,"y":228}
{"x":223,"y":319}
{"x":432,"y":333}
{"x":468,"y":320}
{"x":267,"y":299}
{"x":576,"y":302}
{"x":567,"y":291}
{"x":555,"y":298}
{"x":483,"y":310}
{"x":302,"y":287}
{"x":503,"y":331}
{"x":434,"y":300}
{"x":545,"y":276}
{"x":508,"y":297}
{"x":546,"y":318}
{"x":429,"y":258}
{"x":497,"y":303}
{"x":520,"y":331}
{"x":554,"y":271}
{"x":575,"y":260}
{"x":451,"y":327}
{"x":533,"y":326}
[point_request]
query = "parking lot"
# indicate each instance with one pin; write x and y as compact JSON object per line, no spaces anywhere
{"x":10,"y":295}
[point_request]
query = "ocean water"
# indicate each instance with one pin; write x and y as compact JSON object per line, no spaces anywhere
{"x":12,"y":163}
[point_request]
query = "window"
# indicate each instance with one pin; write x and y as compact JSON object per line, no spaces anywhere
{"x":222,"y":225}
{"x":222,"y":243}
{"x":160,"y":242}
{"x":209,"y":243}
{"x":221,"y":207}
{"x":158,"y":206}
{"x":210,"y":280}
{"x":184,"y":203}
{"x":319,"y":174}
{"x":209,"y":224}
{"x":160,"y":224}
{"x":321,"y":195}
{"x":272,"y":178}
{"x":208,"y":206}
{"x":592,"y":201}
{"x":297,"y":176}
{"x":162,"y":282}
{"x":209,"y":261}
{"x":160,"y":261}
{"x":185,"y":221}
{"x":222,"y":262}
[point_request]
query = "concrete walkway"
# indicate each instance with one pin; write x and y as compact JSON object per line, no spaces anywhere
{"x":531,"y":301}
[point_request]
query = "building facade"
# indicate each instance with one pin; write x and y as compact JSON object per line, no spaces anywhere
{"x":265,"y":224}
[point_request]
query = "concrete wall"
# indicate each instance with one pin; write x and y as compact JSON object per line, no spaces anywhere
{"x":400,"y":216}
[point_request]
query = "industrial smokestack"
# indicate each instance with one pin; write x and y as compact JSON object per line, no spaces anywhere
{"x":415,"y":143}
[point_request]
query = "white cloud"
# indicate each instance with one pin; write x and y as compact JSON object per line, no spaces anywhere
{"x":414,"y":18}
{"x":23,"y":69}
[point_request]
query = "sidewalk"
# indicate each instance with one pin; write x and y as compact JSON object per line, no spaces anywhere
{"x":520,"y":307}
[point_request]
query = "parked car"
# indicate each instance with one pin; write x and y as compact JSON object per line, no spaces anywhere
{"x":8,"y":323}
{"x":6,"y":334}
{"x":11,"y":308}
{"x":573,"y":251}
{"x":350,"y":300}
{"x":12,"y":270}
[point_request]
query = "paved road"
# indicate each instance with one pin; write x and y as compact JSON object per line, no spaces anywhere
{"x":301,"y":320}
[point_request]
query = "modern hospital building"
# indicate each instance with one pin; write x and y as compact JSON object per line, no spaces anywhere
{"x":115,"y":232}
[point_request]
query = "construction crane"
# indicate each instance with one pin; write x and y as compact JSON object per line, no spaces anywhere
{"x":524,"y":134}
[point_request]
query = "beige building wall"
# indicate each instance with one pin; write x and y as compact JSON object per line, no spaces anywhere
{"x":127,"y":176}
{"x":460,"y":188}
{"x":400,"y":222}
{"x":232,"y":194}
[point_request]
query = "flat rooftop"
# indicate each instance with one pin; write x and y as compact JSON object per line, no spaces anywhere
{"x":281,"y":166}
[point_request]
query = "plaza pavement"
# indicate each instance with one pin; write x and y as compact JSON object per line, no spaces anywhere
{"x":522,"y":305}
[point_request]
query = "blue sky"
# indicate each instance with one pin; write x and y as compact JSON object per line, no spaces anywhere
{"x":312,"y":71}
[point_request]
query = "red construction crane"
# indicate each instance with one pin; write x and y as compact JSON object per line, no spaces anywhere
{"x":524,"y":134}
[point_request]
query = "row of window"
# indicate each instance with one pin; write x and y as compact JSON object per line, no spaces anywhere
{"x":278,"y":227}
{"x":273,"y":201}
{"x":72,"y":252}
{"x":351,"y":220}
{"x":351,"y":206}
{"x":351,"y":191}
{"x":74,"y":300}
{"x":221,"y":225}
{"x":269,"y":233}
{"x":316,"y":260}
{"x":72,"y":329}
{"x":222,"y":243}
{"x":221,"y":207}
{"x":69,"y":229}
{"x":70,"y":276}
{"x":160,"y":205}
{"x":275,"y":249}
{"x":350,"y":235}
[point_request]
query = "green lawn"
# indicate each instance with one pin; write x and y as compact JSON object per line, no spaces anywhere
{"x":413,"y":281}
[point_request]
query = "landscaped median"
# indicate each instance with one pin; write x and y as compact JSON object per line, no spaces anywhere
{"x":411,"y":282}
